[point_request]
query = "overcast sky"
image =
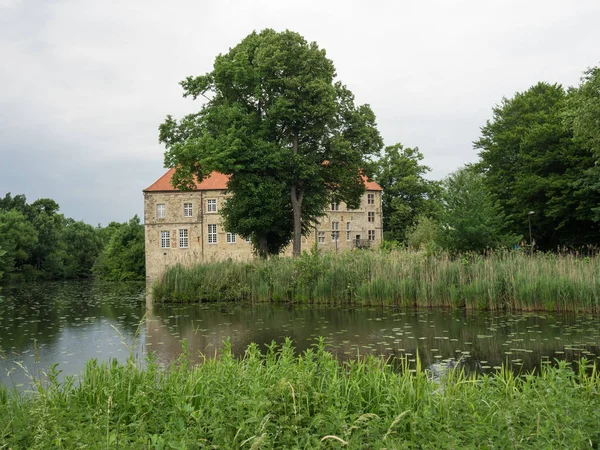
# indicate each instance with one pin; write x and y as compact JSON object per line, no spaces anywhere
{"x":84,"y":84}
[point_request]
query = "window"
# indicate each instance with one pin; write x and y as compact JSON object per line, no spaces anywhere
{"x":348,"y":237}
{"x":371,"y":216}
{"x":335,"y":206}
{"x":183,"y":238}
{"x":248,"y":240}
{"x":371,"y":235}
{"x":212,"y":233}
{"x":370,"y":199}
{"x":161,"y":211}
{"x":211,"y":205}
{"x":187,"y":210}
{"x":165,"y":239}
{"x":335,"y":231}
{"x":231,"y":238}
{"x":321,"y":237}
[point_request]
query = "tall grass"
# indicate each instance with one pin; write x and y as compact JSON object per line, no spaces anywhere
{"x":279,"y":399}
{"x":502,"y":280}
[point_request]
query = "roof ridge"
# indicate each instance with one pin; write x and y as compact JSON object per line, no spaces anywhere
{"x":218,"y":181}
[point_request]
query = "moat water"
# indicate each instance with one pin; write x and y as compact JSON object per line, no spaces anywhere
{"x":68,"y":323}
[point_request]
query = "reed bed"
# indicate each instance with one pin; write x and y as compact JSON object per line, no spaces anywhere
{"x":280,"y":399}
{"x":496,"y":281}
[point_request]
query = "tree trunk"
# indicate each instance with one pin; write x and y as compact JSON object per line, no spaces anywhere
{"x":263,"y":248}
{"x":297,"y":194}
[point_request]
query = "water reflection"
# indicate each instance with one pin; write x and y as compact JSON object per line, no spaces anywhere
{"x":71,"y":322}
{"x":480,"y":341}
{"x":66,"y":323}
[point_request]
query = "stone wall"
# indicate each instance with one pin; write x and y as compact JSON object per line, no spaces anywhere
{"x":199,"y":249}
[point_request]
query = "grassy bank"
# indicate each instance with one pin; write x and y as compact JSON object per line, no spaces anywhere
{"x":505,"y":280}
{"x":282,"y":400}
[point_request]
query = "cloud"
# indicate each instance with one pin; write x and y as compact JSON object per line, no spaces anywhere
{"x":84,"y":84}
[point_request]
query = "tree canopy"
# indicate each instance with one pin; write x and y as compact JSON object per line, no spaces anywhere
{"x":583,"y":110}
{"x":37,"y":242}
{"x":532,"y":163}
{"x":407,"y":195}
{"x":277,"y":122}
{"x":123,"y":257}
{"x":472,"y":219}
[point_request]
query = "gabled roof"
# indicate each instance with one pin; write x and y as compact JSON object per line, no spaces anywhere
{"x":217,"y":181}
{"x":371,"y":185}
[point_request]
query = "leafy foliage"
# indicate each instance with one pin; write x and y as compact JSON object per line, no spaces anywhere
{"x":424,"y":234}
{"x":406,"y":193}
{"x":275,"y":121}
{"x":40,"y":243}
{"x":18,"y":238}
{"x":532,"y":163}
{"x":472,"y":219}
{"x":123,"y":258}
{"x":2,"y":260}
{"x":281,"y":399}
{"x":583,"y":110}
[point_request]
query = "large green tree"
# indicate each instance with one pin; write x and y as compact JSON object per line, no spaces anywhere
{"x":82,"y":246}
{"x":41,"y":243}
{"x":274,"y":112}
{"x":582,"y":116}
{"x":18,"y":202}
{"x":532,"y":163}
{"x":47,"y":255}
{"x":123,"y":257}
{"x":583,"y":110}
{"x":18,"y":238}
{"x":472,"y":219}
{"x":407,"y":195}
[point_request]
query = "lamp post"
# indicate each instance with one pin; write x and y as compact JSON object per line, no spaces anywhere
{"x":529,"y":214}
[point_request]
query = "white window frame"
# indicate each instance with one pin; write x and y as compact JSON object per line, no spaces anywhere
{"x":335,"y":205}
{"x":371,"y":235}
{"x":231,"y":238}
{"x":165,"y":239}
{"x":321,"y":237}
{"x":211,"y":205}
{"x":335,"y":230}
{"x":161,"y":210}
{"x":212,"y":233}
{"x":348,"y":232}
{"x":184,"y":238}
{"x":188,"y":210}
{"x":371,"y":216}
{"x":370,"y":199}
{"x":248,"y":240}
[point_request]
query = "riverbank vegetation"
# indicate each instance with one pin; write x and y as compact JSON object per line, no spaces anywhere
{"x":39,"y":243}
{"x":279,"y":399}
{"x":509,"y":280}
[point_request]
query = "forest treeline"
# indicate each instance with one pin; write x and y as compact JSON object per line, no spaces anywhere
{"x":537,"y":179}
{"x":39,"y":243}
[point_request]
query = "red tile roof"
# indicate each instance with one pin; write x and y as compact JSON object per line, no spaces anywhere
{"x":214,"y":181}
{"x":217,"y":181}
{"x":371,"y":185}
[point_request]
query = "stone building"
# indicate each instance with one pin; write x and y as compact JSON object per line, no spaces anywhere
{"x":185,"y":227}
